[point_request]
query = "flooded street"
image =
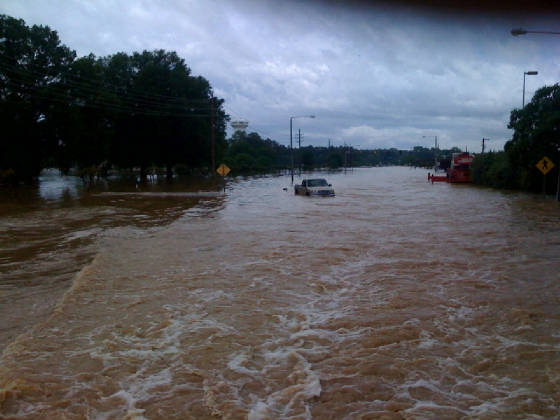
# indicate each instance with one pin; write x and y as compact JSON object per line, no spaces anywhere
{"x":395,"y":299}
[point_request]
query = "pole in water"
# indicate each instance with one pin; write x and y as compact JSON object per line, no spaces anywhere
{"x":558,"y":186}
{"x":558,"y":181}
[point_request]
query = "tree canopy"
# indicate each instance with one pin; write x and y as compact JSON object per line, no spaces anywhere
{"x":146,"y":109}
{"x":126,"y":110}
{"x":251,"y":153}
{"x":32,"y":62}
{"x":536,"y":135}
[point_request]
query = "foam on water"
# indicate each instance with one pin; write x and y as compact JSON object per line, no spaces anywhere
{"x":288,"y":307}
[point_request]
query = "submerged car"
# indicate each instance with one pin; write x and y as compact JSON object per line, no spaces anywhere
{"x":318,"y":186}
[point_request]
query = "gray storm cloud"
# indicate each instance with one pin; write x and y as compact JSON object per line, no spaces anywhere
{"x":375,"y":76}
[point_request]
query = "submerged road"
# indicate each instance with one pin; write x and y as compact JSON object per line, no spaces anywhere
{"x":395,"y":299}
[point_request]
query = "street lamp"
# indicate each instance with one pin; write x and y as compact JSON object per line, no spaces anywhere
{"x":521,"y":31}
{"x":291,"y":146}
{"x":530,"y":73}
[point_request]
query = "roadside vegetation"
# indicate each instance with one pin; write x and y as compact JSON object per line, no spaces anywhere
{"x":251,"y":153}
{"x":145,"y":113}
{"x":126,"y":111}
{"x":140,"y":114}
{"x":536,"y":134}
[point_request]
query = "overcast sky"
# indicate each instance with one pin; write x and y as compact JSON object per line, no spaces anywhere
{"x":375,"y":76}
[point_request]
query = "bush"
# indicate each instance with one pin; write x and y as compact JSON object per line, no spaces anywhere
{"x":493,"y":170}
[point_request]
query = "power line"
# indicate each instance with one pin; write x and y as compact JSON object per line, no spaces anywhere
{"x":129,"y":106}
{"x":82,"y":79}
{"x":59,"y":98}
{"x":130,"y":98}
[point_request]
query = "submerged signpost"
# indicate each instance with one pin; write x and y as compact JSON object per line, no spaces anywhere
{"x":544,"y":165}
{"x":223,"y":170}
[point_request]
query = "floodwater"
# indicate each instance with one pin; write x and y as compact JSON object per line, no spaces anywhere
{"x":395,"y":299}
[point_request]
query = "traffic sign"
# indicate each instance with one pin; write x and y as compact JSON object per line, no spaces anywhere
{"x":223,"y":170}
{"x":545,"y":165}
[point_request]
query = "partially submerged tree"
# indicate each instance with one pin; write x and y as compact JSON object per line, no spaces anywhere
{"x":536,"y":134}
{"x":134,"y":110}
{"x":32,"y":64}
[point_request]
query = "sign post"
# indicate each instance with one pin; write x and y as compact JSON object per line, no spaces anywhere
{"x":544,"y":165}
{"x":223,"y":170}
{"x":558,"y":180}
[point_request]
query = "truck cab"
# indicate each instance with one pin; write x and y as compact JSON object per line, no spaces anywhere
{"x":315,"y":186}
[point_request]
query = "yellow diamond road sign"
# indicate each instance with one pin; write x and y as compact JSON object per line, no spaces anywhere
{"x":545,"y":165}
{"x":223,"y":170}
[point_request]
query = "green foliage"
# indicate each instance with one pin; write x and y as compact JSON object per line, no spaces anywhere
{"x":420,"y":156}
{"x":32,"y":61}
{"x":139,"y":110}
{"x":251,"y":153}
{"x":493,"y":169}
{"x":307,"y":158}
{"x":536,"y":134}
{"x":335,"y":160}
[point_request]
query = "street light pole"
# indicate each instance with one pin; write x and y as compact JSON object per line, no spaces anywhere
{"x":558,"y":181}
{"x":521,"y":31}
{"x":525,"y":73}
{"x":291,"y":151}
{"x":291,"y":143}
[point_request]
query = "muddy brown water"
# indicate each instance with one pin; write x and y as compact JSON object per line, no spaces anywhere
{"x":395,"y":299}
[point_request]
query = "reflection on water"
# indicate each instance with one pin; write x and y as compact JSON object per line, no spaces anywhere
{"x":51,"y":231}
{"x":395,"y":299}
{"x":53,"y":187}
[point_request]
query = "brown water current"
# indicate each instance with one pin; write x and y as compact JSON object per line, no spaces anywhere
{"x":395,"y":299}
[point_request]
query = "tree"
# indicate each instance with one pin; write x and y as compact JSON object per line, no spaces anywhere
{"x":250,"y":152}
{"x":32,"y":62}
{"x":536,"y":134}
{"x":335,"y":160}
{"x":85,"y":127}
{"x":164,"y":114}
{"x":307,"y":158}
{"x":493,"y":169}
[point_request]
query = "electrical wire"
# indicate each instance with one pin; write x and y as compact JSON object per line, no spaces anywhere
{"x":82,"y":82}
{"x":128,"y":105}
{"x":130,"y":102}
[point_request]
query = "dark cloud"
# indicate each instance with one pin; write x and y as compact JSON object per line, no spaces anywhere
{"x":375,"y":74}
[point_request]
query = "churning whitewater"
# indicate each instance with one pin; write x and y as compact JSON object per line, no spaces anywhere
{"x":396,"y":299}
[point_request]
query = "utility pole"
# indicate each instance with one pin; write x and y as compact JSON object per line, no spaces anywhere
{"x":291,"y":152}
{"x":299,"y":149}
{"x":558,"y":181}
{"x":291,"y":143}
{"x":436,"y":165}
{"x":212,"y":139}
{"x":435,"y":152}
